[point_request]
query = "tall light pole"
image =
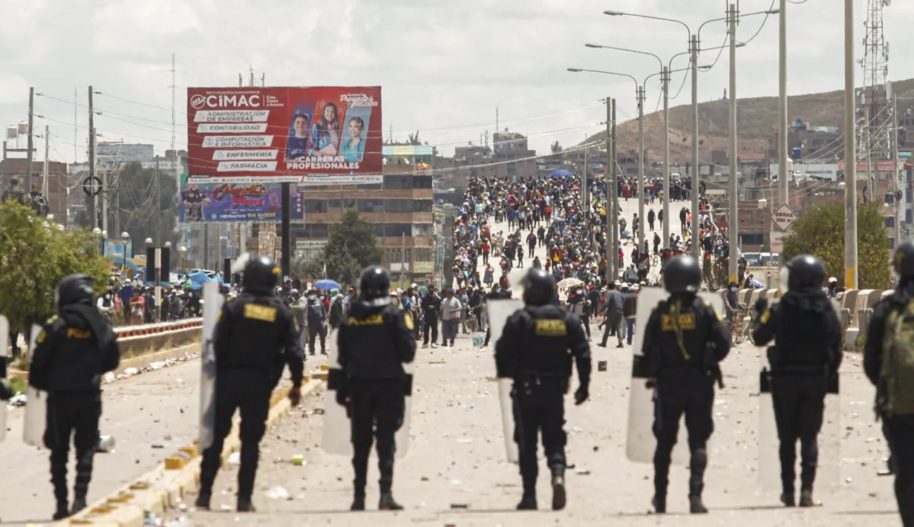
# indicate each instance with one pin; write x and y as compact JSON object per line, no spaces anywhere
{"x":733,"y":223}
{"x":693,"y":52}
{"x":850,"y":152}
{"x":782,"y":104}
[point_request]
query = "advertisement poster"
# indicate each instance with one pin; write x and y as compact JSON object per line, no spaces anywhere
{"x":226,"y":202}
{"x":282,"y":134}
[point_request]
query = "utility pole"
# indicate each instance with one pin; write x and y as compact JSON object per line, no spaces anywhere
{"x":610,"y":185}
{"x":584,"y":200}
{"x":92,"y":161}
{"x":696,"y":245}
{"x":899,"y":210}
{"x":733,"y":224}
{"x":28,"y":163}
{"x":44,"y":170}
{"x":850,"y":153}
{"x":641,"y":218}
{"x":402,"y":256}
{"x":869,"y":195}
{"x":75,"y":125}
{"x":665,"y":80}
{"x":782,"y":103}
{"x":615,"y":196}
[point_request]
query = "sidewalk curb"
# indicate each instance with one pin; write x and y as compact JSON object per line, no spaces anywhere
{"x":164,"y":487}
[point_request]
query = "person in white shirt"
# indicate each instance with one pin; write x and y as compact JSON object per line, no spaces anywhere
{"x":450,"y":317}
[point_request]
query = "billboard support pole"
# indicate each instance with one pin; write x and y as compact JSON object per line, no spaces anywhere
{"x":285,"y":231}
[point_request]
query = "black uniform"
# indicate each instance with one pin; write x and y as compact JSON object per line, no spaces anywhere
{"x":255,"y":338}
{"x":806,"y":354}
{"x":536,"y":350}
{"x":898,"y":428}
{"x":73,"y":350}
{"x":374,"y":343}
{"x":683,"y":343}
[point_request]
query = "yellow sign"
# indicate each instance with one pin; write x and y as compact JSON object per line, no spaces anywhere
{"x":262,"y":313}
{"x":551,"y":328}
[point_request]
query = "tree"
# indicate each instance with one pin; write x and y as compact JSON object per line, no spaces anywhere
{"x":34,"y":257}
{"x":556,"y":148}
{"x":820,"y":232}
{"x":352,"y":246}
{"x":146,"y":203}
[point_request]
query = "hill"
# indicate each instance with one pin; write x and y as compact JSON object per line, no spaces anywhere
{"x":756,"y":121}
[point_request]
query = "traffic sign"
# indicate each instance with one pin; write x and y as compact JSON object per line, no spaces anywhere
{"x":92,"y":186}
{"x":783,"y":217}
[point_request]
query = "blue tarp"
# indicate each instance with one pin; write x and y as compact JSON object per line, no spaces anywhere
{"x":326,"y":283}
{"x":561,"y":173}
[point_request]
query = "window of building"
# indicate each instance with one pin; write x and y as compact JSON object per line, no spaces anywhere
{"x":423,"y":255}
{"x":422,"y":181}
{"x":378,"y":229}
{"x":373,"y":186}
{"x":370,"y":205}
{"x":398,"y":205}
{"x":334,"y":203}
{"x":397,"y":229}
{"x":398,"y":182}
{"x":422,"y":229}
{"x":315,"y":205}
{"x":422,"y":205}
{"x":752,"y":239}
{"x":316,"y":230}
{"x":348,"y":203}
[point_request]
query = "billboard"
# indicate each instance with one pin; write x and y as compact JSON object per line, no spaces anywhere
{"x":216,"y":202}
{"x":283,"y":134}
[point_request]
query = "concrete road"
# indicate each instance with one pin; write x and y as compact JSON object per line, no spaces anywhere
{"x":456,"y":474}
{"x":150,"y":415}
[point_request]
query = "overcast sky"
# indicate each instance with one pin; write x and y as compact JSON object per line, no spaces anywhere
{"x":444,"y":65}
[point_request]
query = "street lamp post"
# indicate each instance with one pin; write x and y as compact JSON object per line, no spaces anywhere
{"x":125,"y":237}
{"x":733,"y":221}
{"x":693,"y":52}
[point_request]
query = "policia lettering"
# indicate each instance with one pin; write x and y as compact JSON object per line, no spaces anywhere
{"x":536,"y":350}
{"x":255,"y":338}
{"x":683,"y":343}
{"x":73,"y":350}
{"x":804,"y":363}
{"x":374,"y":343}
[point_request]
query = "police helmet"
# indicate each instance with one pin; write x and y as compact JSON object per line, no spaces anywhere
{"x":75,"y":289}
{"x":682,"y":275}
{"x":805,"y":272}
{"x":539,"y":287}
{"x":904,"y":260}
{"x":375,"y":282}
{"x":260,"y":275}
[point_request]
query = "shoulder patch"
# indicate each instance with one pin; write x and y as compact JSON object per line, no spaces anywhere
{"x":765,"y":316}
{"x":41,"y":336}
{"x":372,"y":320}
{"x":408,"y":321}
{"x":259,"y":312}
{"x":686,"y":322}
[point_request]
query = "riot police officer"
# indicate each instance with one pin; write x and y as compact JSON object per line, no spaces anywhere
{"x":804,"y":360}
{"x":536,"y":350}
{"x":374,"y":343}
{"x":254,"y":339}
{"x":889,"y":364}
{"x":683,"y":343}
{"x":72,"y":352}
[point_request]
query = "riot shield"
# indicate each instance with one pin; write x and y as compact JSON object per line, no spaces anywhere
{"x":336,"y":435}
{"x":499,"y":311}
{"x":36,"y":405}
{"x":828,"y":473}
{"x":212,"y":305}
{"x":4,"y":341}
{"x":641,"y":442}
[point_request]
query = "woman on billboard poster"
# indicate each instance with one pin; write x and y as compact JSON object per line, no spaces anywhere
{"x":325,"y":134}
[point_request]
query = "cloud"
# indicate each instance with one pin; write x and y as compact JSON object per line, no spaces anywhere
{"x":443,"y":65}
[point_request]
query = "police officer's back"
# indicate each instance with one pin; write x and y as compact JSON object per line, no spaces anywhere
{"x":374,"y":342}
{"x":889,"y":364}
{"x":73,"y":350}
{"x":683,"y":343}
{"x":537,"y":347}
{"x":804,"y":359}
{"x":254,"y":339}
